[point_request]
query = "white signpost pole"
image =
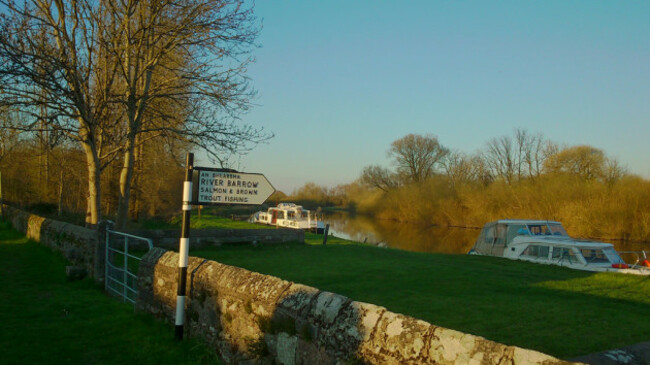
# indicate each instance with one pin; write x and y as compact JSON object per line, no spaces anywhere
{"x":183,"y":251}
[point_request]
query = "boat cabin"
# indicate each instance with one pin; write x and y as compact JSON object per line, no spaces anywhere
{"x":547,"y":242}
{"x":289,"y":215}
{"x":496,"y":236}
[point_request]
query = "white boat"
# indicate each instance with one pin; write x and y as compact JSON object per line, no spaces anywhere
{"x":289,"y":215}
{"x":547,"y":242}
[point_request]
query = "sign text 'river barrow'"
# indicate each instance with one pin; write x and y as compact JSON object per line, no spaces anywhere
{"x":232,"y":188}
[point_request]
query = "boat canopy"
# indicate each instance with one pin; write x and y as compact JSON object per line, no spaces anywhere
{"x":497,"y":235}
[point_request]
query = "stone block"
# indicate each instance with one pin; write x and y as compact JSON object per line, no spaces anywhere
{"x":73,"y":254}
{"x":327,"y":307}
{"x":353,"y":325}
{"x":75,"y":272}
{"x":286,"y":347}
{"x":296,"y":300}
{"x":398,"y":339}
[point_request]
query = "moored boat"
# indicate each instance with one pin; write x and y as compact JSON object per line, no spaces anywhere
{"x":289,"y":215}
{"x":547,"y":242}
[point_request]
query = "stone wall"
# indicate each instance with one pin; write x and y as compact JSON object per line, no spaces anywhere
{"x":86,"y":248}
{"x":81,"y":246}
{"x":199,"y":238}
{"x":253,"y":318}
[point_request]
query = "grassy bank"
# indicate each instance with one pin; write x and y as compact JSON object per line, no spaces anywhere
{"x":46,"y":319}
{"x":555,"y":310}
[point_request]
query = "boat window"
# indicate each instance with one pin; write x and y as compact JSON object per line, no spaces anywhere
{"x":594,"y":256}
{"x":304,"y":214}
{"x":513,"y":231}
{"x":557,"y":253}
{"x":280,"y":214}
{"x":538,"y":229}
{"x":500,"y":236}
{"x":565,"y":254}
{"x":535,"y":251}
{"x":489,"y":235}
{"x":557,"y":230}
{"x":291,"y":215}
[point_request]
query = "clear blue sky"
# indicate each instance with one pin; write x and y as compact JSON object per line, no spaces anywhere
{"x":338,"y":81}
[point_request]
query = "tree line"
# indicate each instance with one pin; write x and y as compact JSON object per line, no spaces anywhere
{"x":523,"y":175}
{"x":116,"y":88}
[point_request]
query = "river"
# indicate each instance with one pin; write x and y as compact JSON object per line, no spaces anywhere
{"x":419,"y":238}
{"x":409,"y":237}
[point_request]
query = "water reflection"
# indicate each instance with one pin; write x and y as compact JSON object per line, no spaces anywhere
{"x":419,"y":238}
{"x":408,"y":237}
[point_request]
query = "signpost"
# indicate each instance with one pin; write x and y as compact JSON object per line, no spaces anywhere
{"x":211,"y":186}
{"x":220,"y":186}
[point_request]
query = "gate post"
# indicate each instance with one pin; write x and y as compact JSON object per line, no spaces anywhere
{"x":99,"y":266}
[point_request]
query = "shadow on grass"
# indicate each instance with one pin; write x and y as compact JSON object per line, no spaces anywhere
{"x":48,"y":319}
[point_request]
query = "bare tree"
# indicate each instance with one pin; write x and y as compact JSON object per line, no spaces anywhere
{"x":417,"y":156}
{"x":460,"y":168}
{"x":379,"y":177}
{"x":500,"y":158}
{"x":613,"y":171}
{"x":514,"y":159}
{"x":107,"y":72}
{"x":48,"y":53}
{"x":186,"y":54}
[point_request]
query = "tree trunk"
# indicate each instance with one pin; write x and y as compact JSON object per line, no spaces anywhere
{"x":60,"y":207}
{"x":94,"y":211}
{"x":126,"y":175}
{"x":135,"y":192}
{"x":2,"y":209}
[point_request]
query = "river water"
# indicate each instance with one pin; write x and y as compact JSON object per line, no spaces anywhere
{"x":419,"y":238}
{"x":409,"y":237}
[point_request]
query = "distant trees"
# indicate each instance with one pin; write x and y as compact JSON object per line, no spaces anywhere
{"x":586,"y":162}
{"x":518,"y":157}
{"x":523,"y":175}
{"x":312,"y":192}
{"x":461,"y":168}
{"x":379,"y":177}
{"x":417,"y":157}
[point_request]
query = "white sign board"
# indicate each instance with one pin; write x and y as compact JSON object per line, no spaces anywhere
{"x":219,"y":187}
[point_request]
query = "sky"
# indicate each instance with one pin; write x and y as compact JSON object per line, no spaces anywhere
{"x":338,"y":81}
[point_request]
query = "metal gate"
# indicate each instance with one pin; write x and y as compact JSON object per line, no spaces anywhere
{"x":123,"y":255}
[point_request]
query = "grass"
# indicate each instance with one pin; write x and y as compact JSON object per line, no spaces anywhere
{"x":207,"y":220}
{"x":555,"y":310}
{"x":46,"y":319}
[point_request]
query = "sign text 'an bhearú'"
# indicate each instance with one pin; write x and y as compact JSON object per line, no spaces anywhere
{"x":215,"y":187}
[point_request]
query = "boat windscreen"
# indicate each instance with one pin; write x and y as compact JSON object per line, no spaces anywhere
{"x":539,"y":229}
{"x":613,"y":256}
{"x":556,"y":229}
{"x":514,"y":230}
{"x":543,"y":229}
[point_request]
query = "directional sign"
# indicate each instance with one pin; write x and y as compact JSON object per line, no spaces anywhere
{"x":219,"y":186}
